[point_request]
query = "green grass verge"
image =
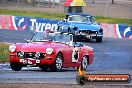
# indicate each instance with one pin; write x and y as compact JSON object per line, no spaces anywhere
{"x":61,"y":16}
{"x":31,"y":14}
{"x":114,"y":20}
{"x":4,"y":52}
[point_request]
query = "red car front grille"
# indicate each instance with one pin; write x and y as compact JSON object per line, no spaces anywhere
{"x":32,"y":55}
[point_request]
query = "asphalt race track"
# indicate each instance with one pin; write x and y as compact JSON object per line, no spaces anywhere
{"x":112,"y":56}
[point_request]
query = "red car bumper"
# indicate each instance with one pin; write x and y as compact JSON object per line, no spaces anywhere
{"x":48,"y":60}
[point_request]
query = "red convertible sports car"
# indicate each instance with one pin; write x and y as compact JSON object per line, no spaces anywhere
{"x":51,"y":51}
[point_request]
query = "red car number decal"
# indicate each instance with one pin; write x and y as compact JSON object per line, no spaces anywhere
{"x":75,"y":55}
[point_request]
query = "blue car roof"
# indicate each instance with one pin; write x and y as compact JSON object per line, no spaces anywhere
{"x":79,"y":14}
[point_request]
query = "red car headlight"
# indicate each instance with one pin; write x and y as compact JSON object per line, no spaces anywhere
{"x":12,"y":48}
{"x":49,"y":50}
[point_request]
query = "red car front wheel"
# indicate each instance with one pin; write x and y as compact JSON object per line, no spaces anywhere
{"x":44,"y":67}
{"x":57,"y":66}
{"x":15,"y":66}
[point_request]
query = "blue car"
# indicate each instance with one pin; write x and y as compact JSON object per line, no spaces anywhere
{"x":82,"y":24}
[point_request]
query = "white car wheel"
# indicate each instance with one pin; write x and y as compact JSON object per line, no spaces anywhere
{"x":58,"y":63}
{"x":57,"y":66}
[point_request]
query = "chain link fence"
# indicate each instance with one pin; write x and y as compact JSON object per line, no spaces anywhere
{"x":38,"y":3}
{"x":118,"y":9}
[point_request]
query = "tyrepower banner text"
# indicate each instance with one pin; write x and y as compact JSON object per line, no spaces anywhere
{"x":27,"y":23}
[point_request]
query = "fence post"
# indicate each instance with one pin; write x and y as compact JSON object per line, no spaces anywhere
{"x":53,"y":3}
{"x":106,"y":8}
{"x":38,"y":2}
{"x":130,"y":16}
{"x":93,"y":1}
{"x":18,"y":1}
{"x":113,"y":2}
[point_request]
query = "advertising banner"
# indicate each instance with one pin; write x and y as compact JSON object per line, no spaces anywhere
{"x":27,"y":23}
{"x":117,"y":30}
{"x":43,"y":24}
